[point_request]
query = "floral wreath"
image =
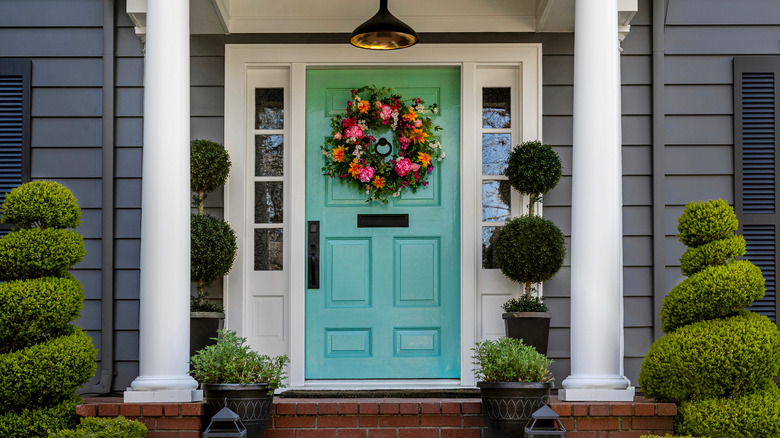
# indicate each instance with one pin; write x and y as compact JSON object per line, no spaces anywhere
{"x":378,"y":167}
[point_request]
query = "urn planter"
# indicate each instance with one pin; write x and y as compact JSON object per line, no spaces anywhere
{"x":507,"y":406}
{"x":251,"y":402}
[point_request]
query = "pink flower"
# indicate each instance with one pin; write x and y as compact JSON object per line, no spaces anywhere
{"x":403,"y":166}
{"x":354,"y":131}
{"x":366,"y":174}
{"x":418,"y":123}
{"x":337,"y":136}
{"x":415,"y":167}
{"x":404,"y":142}
{"x":387,"y":112}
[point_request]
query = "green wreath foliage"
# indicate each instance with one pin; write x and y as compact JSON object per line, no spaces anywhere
{"x":36,"y":308}
{"x":715,"y":292}
{"x":755,"y":415}
{"x":530,"y":249}
{"x":41,"y":204}
{"x":704,"y":222}
{"x":351,"y":156}
{"x":209,"y":165}
{"x":39,"y":252}
{"x":725,"y":357}
{"x":533,"y":168}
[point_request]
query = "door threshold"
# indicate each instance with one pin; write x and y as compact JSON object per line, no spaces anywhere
{"x":423,"y":388}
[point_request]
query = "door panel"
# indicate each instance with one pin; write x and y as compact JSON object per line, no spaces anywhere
{"x":389,"y":301}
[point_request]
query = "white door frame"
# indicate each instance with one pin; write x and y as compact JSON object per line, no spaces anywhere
{"x":295,"y":59}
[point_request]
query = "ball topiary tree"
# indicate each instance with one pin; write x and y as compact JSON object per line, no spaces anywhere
{"x":716,"y":360}
{"x":530,"y":249}
{"x":212,"y":240}
{"x":44,"y":358}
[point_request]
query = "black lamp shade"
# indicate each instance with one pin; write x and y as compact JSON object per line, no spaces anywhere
{"x":383,"y":32}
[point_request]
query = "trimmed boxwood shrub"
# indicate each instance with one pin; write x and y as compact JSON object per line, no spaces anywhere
{"x":209,"y":168}
{"x":46,"y":373}
{"x":715,"y":292}
{"x":212,"y":252}
{"x":755,"y":415}
{"x":41,"y":204}
{"x":716,"y":358}
{"x":714,"y":253}
{"x":97,"y":427}
{"x":39,"y":421}
{"x":533,"y":168}
{"x":34,"y":308}
{"x":530,"y":249}
{"x":39,"y":252}
{"x":704,"y":222}
{"x":44,"y":359}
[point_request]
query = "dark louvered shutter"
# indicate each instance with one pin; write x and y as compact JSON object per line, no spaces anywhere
{"x":15,"y":77}
{"x":756,"y":91}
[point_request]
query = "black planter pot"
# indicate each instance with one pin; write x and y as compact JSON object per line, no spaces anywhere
{"x":203,"y":327}
{"x":251,"y":402}
{"x":532,"y":327}
{"x":507,"y":406}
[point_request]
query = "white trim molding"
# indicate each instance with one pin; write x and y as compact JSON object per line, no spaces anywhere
{"x":240,"y":63}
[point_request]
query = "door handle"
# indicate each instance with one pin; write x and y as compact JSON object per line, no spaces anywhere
{"x":314,"y":255}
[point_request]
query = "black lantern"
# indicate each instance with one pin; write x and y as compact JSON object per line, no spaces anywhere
{"x":383,"y":32}
{"x":544,"y":422}
{"x":225,"y":424}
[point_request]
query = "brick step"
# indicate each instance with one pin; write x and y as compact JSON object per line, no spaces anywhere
{"x":394,"y":418}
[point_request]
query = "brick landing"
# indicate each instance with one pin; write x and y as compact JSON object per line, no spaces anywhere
{"x":394,"y":418}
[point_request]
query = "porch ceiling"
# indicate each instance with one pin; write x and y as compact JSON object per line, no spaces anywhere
{"x":342,"y":16}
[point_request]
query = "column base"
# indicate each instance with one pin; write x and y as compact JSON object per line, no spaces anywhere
{"x":596,"y":394}
{"x":164,"y":396}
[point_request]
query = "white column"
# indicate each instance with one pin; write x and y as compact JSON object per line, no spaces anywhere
{"x":596,"y":243}
{"x":164,"y":334}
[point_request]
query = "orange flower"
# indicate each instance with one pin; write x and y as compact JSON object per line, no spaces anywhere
{"x":379,"y":182}
{"x":411,"y":116}
{"x":354,"y":168}
{"x":339,"y":154}
{"x":418,"y":135}
{"x":364,"y":106}
{"x":425,"y":159}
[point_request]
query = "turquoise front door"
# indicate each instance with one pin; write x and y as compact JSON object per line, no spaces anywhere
{"x":388,"y":302}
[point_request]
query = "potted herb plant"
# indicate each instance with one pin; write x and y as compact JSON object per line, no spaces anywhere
{"x":530,"y":249}
{"x":513,"y":380}
{"x":212,"y":241}
{"x":231,"y":371}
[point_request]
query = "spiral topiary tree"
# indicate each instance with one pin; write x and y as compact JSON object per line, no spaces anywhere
{"x":212,"y":240}
{"x":44,"y":358}
{"x":530,"y":249}
{"x":716,"y":360}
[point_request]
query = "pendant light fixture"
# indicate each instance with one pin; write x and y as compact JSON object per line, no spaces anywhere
{"x":383,"y":32}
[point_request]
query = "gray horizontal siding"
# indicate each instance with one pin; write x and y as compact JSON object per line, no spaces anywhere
{"x":45,"y":13}
{"x":54,"y":43}
{"x":723,"y":12}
